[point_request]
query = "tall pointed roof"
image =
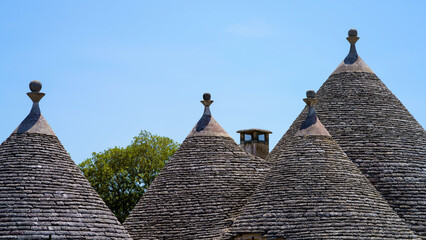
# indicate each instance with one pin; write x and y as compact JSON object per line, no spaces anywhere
{"x":43,"y":194}
{"x":314,"y":191}
{"x":202,"y":188}
{"x":377,"y":133}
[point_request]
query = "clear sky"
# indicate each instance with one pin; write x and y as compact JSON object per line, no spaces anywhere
{"x":113,"y":68}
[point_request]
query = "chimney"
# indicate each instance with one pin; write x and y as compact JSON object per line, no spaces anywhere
{"x":255,"y":141}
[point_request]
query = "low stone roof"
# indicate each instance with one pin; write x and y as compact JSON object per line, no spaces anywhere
{"x":200,"y":191}
{"x":377,"y":133}
{"x":43,"y":194}
{"x":314,"y":191}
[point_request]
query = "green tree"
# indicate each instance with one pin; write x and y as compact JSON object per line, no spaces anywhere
{"x":121,"y":175}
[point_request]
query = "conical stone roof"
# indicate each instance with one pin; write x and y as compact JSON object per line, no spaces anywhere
{"x":377,"y":133}
{"x":202,"y":188}
{"x":43,"y":195}
{"x":314,"y":191}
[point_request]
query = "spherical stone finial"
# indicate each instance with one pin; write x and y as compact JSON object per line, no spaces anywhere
{"x":310,"y":94}
{"x":352,"y":32}
{"x":35,"y":86}
{"x":207,"y":96}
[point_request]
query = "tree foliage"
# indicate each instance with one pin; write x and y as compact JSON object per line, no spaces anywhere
{"x":121,"y":175}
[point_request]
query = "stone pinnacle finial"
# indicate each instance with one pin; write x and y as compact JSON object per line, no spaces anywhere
{"x":35,"y":86}
{"x":35,"y":94}
{"x":311,"y":99}
{"x":35,"y":122}
{"x":207,"y":102}
{"x":353,"y":38}
{"x":205,"y":119}
{"x":312,"y":125}
{"x":352,"y":32}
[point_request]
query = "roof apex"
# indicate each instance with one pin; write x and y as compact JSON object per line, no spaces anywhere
{"x":358,"y":66}
{"x":213,"y":128}
{"x":207,"y":125}
{"x":312,"y":125}
{"x":352,"y":62}
{"x":35,"y":122}
{"x":316,"y":129}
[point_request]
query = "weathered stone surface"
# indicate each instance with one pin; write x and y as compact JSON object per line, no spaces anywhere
{"x":378,"y":134}
{"x":358,"y":66}
{"x":43,"y":193}
{"x":202,"y":188}
{"x":314,"y":129}
{"x":35,"y":123}
{"x":314,"y":191}
{"x":212,"y":129}
{"x":199,"y":192}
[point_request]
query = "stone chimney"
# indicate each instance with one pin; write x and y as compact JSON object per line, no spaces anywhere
{"x":255,"y":141}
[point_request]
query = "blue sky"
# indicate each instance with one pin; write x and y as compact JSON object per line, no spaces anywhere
{"x":113,"y":68}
